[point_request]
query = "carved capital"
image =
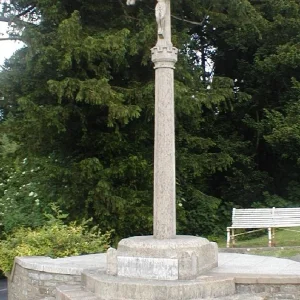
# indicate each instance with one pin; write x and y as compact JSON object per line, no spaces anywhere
{"x":164,"y":57}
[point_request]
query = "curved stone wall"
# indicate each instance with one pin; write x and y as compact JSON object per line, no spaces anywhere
{"x":36,"y":278}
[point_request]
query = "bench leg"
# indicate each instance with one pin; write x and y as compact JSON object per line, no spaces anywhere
{"x":270,"y":237}
{"x":273,"y":236}
{"x":228,"y":238}
{"x":232,"y":237}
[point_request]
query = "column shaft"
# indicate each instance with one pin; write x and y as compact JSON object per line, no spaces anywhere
{"x":164,"y":156}
{"x":164,"y":56}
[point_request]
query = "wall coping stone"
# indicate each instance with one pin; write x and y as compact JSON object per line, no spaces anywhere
{"x":73,"y":265}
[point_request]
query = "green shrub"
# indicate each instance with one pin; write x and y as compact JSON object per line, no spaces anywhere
{"x":24,"y":192}
{"x":54,"y":239}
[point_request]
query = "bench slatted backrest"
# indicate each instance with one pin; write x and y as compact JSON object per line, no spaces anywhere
{"x":252,"y":217}
{"x":265,"y":217}
{"x":286,"y":217}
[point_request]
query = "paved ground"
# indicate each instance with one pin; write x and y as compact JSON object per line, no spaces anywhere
{"x":3,"y":289}
{"x":254,"y":269}
{"x":235,"y":263}
{"x":296,"y":257}
{"x":229,"y":263}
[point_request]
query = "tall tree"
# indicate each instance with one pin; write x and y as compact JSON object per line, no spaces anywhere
{"x":260,"y":55}
{"x":79,"y":102}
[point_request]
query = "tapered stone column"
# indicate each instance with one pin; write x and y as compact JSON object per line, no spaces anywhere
{"x":164,"y":57}
{"x":164,"y":221}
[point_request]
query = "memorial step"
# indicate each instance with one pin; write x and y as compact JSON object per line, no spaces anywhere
{"x":74,"y":292}
{"x":243,"y":297}
{"x":77,"y":293}
{"x":120,"y":288}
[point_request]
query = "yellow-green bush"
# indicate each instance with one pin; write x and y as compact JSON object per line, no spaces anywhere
{"x":54,"y":239}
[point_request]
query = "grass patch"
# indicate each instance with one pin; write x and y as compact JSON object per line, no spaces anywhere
{"x":283,"y":238}
{"x":287,"y":243}
{"x":286,"y":252}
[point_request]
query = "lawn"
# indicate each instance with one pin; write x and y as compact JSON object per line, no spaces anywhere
{"x":287,"y":243}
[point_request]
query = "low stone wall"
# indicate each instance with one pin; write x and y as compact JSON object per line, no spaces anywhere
{"x":273,"y":286}
{"x":31,"y":284}
{"x":36,"y":278}
{"x":272,"y":291}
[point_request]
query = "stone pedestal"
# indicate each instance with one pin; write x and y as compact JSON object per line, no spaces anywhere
{"x":181,"y":258}
{"x":106,"y":287}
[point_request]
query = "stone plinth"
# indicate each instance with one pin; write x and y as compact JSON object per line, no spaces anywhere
{"x":107,"y":287}
{"x":181,"y":258}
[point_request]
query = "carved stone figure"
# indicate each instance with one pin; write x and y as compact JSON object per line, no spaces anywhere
{"x":130,"y":2}
{"x":160,"y":14}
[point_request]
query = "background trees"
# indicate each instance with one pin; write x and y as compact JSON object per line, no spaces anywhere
{"x":78,"y":111}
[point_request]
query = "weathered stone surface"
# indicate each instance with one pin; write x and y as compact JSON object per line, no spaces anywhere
{"x":193,"y":256}
{"x":70,"y":265}
{"x":148,"y":267}
{"x":207,"y":257}
{"x":164,"y":57}
{"x":242,"y":297}
{"x":34,"y":284}
{"x":188,"y":265}
{"x":272,"y":290}
{"x":111,"y":257}
{"x":74,"y":293}
{"x":148,"y":246}
{"x":121,"y":288}
{"x":28,"y":286}
{"x":36,"y":278}
{"x":164,"y":203}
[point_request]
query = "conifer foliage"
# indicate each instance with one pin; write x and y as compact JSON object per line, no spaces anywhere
{"x":77,"y":106}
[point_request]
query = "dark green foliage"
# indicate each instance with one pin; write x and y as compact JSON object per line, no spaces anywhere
{"x":79,"y":101}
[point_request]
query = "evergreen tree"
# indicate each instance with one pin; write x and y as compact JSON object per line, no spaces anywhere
{"x":79,"y":102}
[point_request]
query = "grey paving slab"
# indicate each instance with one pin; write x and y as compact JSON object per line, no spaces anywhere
{"x":229,"y":263}
{"x":296,"y":257}
{"x":234,"y":263}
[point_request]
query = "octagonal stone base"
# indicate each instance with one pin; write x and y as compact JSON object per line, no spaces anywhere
{"x":120,"y":288}
{"x":182,"y":258}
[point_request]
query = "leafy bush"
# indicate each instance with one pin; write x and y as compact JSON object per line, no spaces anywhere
{"x":54,"y":239}
{"x":24,"y":191}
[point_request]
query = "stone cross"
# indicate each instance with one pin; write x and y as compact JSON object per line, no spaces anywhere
{"x":164,"y":57}
{"x":165,"y":255}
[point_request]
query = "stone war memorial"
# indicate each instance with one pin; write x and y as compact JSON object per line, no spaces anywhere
{"x":165,"y":265}
{"x":165,"y":255}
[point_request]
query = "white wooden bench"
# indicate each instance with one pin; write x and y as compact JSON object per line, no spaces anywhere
{"x":262,"y":218}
